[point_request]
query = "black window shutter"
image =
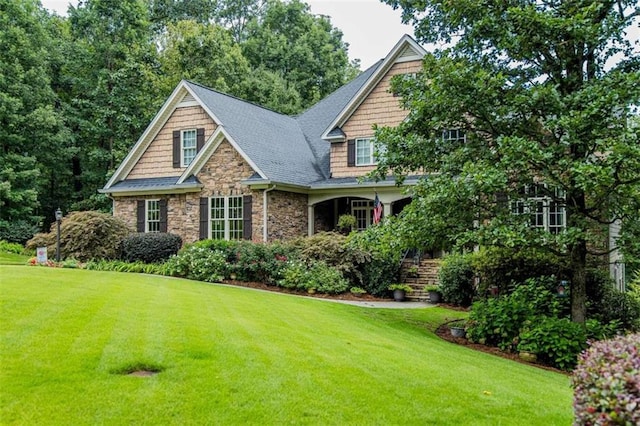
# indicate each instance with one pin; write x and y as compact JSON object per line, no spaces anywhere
{"x":351,"y":152}
{"x":176,"y":148}
{"x":204,"y":218}
{"x":141,"y":216}
{"x":163,"y":215}
{"x":247,"y":203}
{"x":199,"y":138}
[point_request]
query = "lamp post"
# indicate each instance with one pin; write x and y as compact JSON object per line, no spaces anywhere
{"x":58,"y":219}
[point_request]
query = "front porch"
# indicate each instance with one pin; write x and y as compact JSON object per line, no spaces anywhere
{"x":324,"y":210}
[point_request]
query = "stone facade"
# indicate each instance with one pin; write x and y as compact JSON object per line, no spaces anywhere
{"x":222,"y":176}
{"x":382,"y":108}
{"x":157,"y":159}
{"x":287,"y":215}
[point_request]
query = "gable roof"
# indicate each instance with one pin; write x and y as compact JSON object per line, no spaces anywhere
{"x":406,"y":49}
{"x":280,"y":148}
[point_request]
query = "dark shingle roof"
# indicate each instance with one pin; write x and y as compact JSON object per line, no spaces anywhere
{"x":286,"y":149}
{"x":154,"y":184}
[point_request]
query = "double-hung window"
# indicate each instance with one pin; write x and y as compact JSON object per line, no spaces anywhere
{"x":367,"y":152}
{"x":152,"y":219}
{"x":226,"y":218}
{"x":454,"y":136}
{"x":545,"y":208}
{"x":189,"y":146}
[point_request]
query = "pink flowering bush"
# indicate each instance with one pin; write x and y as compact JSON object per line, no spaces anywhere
{"x":606,"y":383}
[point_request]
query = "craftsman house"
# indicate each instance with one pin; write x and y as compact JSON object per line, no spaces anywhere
{"x":210,"y":165}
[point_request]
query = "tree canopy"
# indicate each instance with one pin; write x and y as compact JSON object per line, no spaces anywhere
{"x":522,"y":126}
{"x":76,"y":92}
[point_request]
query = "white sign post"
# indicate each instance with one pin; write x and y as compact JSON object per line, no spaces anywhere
{"x":41,"y":254}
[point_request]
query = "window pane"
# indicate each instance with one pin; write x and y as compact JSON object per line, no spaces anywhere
{"x":235,"y":218}
{"x":189,"y":146}
{"x":153,"y":216}
{"x":364,"y":152}
{"x":217,"y":218}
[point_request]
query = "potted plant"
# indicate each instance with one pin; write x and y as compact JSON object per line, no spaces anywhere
{"x":435,"y":296}
{"x":346,"y":223}
{"x":528,"y":350}
{"x":400,"y":291}
{"x":457,"y":329}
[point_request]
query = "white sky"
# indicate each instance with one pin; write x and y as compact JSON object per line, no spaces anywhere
{"x":370,"y":27}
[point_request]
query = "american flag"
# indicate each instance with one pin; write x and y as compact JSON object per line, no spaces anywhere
{"x":377,"y":210}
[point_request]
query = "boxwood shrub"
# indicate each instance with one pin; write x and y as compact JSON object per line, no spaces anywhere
{"x":150,"y":247}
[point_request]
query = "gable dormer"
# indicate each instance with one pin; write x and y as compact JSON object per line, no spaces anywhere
{"x":352,"y":150}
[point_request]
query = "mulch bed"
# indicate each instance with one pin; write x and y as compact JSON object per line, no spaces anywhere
{"x":273,"y":288}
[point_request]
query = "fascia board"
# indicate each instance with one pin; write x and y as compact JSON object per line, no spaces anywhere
{"x":149,"y":134}
{"x":375,"y":78}
{"x":171,"y":189}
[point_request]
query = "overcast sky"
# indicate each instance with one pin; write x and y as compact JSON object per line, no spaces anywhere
{"x":370,"y":27}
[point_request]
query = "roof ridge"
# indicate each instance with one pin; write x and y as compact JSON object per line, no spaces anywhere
{"x":238,"y":98}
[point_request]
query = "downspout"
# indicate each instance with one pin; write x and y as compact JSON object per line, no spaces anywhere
{"x":265,"y":216}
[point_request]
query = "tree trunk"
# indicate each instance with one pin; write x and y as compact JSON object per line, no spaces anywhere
{"x":579,"y":282}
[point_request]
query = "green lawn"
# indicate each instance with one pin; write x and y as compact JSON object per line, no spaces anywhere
{"x":237,"y":356}
{"x":13,"y":259}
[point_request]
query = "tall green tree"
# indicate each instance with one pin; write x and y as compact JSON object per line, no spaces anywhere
{"x":32,"y":133}
{"x":542,"y":91}
{"x":113,"y":93}
{"x":305,"y":50}
{"x":205,"y":53}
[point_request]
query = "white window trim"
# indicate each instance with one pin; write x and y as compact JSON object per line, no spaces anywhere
{"x":446,"y":138}
{"x":372,"y":152}
{"x":531,"y":202}
{"x":227,"y":219}
{"x":147,"y":221}
{"x":182,"y":147}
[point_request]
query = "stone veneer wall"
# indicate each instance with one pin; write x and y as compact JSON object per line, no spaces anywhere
{"x":287,"y":215}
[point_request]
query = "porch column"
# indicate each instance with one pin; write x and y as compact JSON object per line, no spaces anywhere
{"x":386,"y":209}
{"x":311,"y":219}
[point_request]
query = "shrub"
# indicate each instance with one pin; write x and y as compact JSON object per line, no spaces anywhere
{"x":260,"y":262}
{"x":502,"y":267}
{"x":332,"y":249}
{"x":556,"y":341}
{"x":499,"y":321}
{"x":8,"y":247}
{"x":607,"y":304}
{"x":84,"y":236}
{"x":384,"y":251}
{"x":316,"y":276}
{"x":198,"y":263}
{"x":122,"y":266}
{"x":18,"y":231}
{"x":150,"y":247}
{"x":606,"y":383}
{"x":456,"y":279}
